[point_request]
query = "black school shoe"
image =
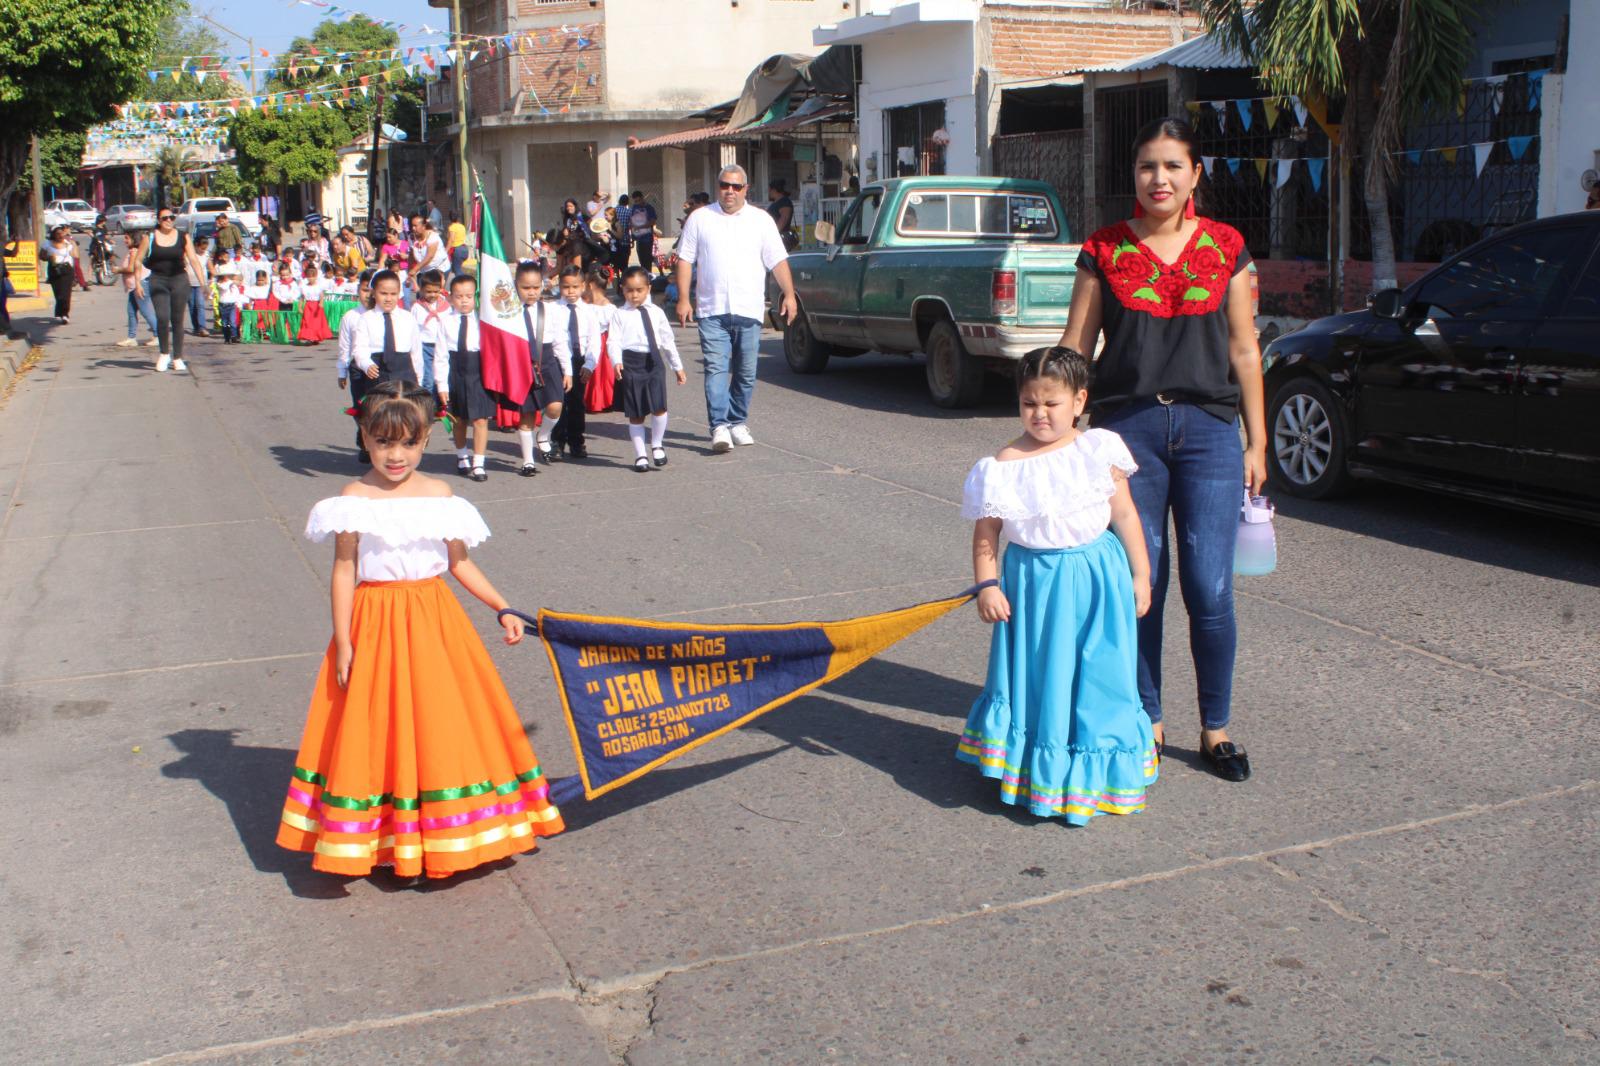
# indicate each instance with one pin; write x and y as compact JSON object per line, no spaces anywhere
{"x":1227,"y":760}
{"x":528,"y":469}
{"x":641,"y":465}
{"x":479,"y":474}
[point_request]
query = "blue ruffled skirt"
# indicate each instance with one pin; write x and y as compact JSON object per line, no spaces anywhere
{"x":1059,"y":722}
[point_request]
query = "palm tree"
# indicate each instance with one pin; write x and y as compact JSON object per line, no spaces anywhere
{"x":170,"y":164}
{"x":1392,"y":61}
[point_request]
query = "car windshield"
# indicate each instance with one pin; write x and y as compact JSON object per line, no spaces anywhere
{"x":75,"y":205}
{"x":212,"y":205}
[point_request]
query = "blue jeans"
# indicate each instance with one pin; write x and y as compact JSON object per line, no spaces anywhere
{"x":427,"y":368}
{"x":1191,"y":464}
{"x":138,"y":308}
{"x":199,"y":304}
{"x":458,"y":259}
{"x":729,"y":344}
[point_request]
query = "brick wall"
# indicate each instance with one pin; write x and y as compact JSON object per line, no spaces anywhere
{"x":1031,"y":42}
{"x":1299,"y":289}
{"x":551,"y":70}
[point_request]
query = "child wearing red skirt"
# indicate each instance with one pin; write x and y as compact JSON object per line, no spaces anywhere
{"x":413,"y":755}
{"x":313,"y":321}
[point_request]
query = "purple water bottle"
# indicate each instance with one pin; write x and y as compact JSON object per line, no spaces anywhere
{"x":1256,"y":551}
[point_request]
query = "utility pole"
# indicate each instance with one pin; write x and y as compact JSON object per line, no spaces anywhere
{"x":38,"y":192}
{"x":463,"y":189}
{"x":250,"y":43}
{"x":375,"y":232}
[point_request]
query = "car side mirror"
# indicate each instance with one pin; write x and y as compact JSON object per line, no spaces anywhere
{"x":824,"y":232}
{"x":1390,"y":304}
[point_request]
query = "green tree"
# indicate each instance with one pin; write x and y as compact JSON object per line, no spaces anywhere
{"x":404,"y":98}
{"x":228,"y":182}
{"x":63,"y":64}
{"x":171,"y":162}
{"x":60,"y":156}
{"x":1391,"y":61}
{"x":279,"y":149}
{"x":183,"y":38}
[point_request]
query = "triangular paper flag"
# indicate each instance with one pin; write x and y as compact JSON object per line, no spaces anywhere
{"x":1481,"y":151}
{"x":1285,"y":171}
{"x":1261,"y":167}
{"x":1461,"y":103}
{"x":1535,"y":88}
{"x":1233,"y":165}
{"x":1414,"y":155}
{"x":1299,"y":110}
{"x":1246,"y":112}
{"x":1449,"y":154}
{"x":1518,"y":146}
{"x":1271,"y":108}
{"x":1193,"y":107}
{"x":1209,"y":162}
{"x":200,"y":77}
{"x":1314,"y":168}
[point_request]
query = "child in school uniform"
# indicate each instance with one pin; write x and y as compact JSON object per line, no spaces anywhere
{"x":357,"y":382}
{"x":230,"y":299}
{"x":641,"y":347}
{"x":469,"y":401}
{"x":578,"y":325}
{"x":388,"y":344}
{"x":313,"y":320}
{"x":552,"y":374}
{"x":413,"y":755}
{"x":1059,"y":720}
{"x":428,"y":308}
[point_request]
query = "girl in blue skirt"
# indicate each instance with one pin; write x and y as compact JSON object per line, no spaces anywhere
{"x":1059,"y":721}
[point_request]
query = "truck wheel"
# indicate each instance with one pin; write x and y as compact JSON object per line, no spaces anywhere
{"x":801,"y":349}
{"x":955,"y":378}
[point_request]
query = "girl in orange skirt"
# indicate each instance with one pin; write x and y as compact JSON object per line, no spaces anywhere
{"x":413,"y":756}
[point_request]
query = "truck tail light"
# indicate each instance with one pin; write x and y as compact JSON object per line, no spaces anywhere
{"x":1003,"y":294}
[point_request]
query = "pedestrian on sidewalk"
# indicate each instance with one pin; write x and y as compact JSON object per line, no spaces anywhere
{"x":199,"y":288}
{"x":1059,"y":721}
{"x":427,"y":744}
{"x":7,"y":250}
{"x":166,"y":255}
{"x":726,"y":250}
{"x":133,"y":273}
{"x":1181,"y":363}
{"x":60,"y":256}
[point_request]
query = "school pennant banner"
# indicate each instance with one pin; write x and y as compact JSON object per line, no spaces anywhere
{"x":639,"y":694}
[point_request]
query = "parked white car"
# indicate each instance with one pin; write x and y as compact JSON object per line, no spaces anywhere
{"x":130,"y":218}
{"x":75,"y":213}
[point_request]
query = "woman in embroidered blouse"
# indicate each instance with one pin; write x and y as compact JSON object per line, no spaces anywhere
{"x":1181,"y":364}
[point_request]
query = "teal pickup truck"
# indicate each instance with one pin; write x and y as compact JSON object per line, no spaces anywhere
{"x":975,"y":272}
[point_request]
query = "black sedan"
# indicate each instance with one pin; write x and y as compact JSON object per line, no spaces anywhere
{"x":1481,"y":379}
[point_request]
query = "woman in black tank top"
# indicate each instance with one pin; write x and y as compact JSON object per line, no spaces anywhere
{"x":165,"y":253}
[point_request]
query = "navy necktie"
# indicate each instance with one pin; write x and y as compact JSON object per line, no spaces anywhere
{"x":461,"y":339}
{"x":388,"y":340}
{"x":649,"y":330}
{"x":572,"y":334}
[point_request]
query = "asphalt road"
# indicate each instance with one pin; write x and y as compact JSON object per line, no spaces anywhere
{"x":1409,"y":877}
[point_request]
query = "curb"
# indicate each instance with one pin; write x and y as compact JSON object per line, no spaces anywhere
{"x":14,"y":351}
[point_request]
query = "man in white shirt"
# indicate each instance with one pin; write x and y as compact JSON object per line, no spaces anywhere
{"x":731,"y":246}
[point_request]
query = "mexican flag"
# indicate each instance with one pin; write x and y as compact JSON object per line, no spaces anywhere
{"x":507,"y":368}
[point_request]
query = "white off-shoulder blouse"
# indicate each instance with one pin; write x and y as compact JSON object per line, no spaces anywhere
{"x":402,"y":539}
{"x":1056,"y":499}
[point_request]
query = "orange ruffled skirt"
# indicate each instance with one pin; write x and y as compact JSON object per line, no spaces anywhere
{"x":421,"y":763}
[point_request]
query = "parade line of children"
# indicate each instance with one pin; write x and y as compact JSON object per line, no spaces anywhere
{"x":252,"y":282}
{"x":435,"y":344}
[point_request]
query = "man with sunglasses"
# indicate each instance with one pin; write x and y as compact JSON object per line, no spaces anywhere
{"x":727,"y":248}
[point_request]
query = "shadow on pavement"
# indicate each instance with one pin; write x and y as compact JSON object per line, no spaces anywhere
{"x":1463,"y":529}
{"x":898,"y":685}
{"x":875,"y":382}
{"x":579,"y":814}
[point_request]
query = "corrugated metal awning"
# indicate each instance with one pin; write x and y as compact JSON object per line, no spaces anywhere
{"x":1204,"y":52}
{"x":790,"y":123}
{"x":681,"y":138}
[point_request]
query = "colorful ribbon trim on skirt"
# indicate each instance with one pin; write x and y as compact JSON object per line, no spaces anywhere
{"x":991,"y":755}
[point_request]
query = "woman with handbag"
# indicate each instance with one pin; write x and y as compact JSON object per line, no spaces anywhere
{"x":60,"y":255}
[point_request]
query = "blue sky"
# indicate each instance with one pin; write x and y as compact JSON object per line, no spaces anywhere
{"x":274,"y":23}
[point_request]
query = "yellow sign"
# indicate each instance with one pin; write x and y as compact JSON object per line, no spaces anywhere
{"x":22,"y":269}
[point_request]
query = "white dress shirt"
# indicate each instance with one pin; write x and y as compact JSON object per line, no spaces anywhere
{"x":286,"y":294}
{"x":628,"y":335}
{"x":429,"y":319}
{"x":450,"y":331}
{"x":347,"y":340}
{"x":590,"y":334}
{"x":731,"y":255}
{"x":407,"y":338}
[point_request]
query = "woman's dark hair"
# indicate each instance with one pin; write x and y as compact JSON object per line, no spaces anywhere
{"x":1175,"y":129}
{"x":396,"y":410}
{"x":636,"y":272}
{"x":569,"y":202}
{"x":1065,"y":366}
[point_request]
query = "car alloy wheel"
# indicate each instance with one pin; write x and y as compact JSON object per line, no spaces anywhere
{"x":1302,"y":437}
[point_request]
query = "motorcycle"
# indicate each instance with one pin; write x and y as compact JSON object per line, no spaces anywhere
{"x":100,"y":256}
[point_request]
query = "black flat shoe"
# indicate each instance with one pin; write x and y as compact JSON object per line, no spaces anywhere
{"x":659,"y":456}
{"x":1227,"y":760}
{"x":478,"y":474}
{"x":641,"y":465}
{"x":528,"y":470}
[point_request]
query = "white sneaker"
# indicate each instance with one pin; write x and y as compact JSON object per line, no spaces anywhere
{"x":151,"y":343}
{"x":741,"y":435}
{"x":179,"y":366}
{"x":163,"y":362}
{"x":127,"y":342}
{"x":721,"y":440}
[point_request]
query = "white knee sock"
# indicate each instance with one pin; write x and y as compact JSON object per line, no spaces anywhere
{"x":525,"y":442}
{"x":658,"y":430}
{"x":546,"y":428}
{"x":636,"y":433}
{"x":462,"y":453}
{"x":477,"y":461}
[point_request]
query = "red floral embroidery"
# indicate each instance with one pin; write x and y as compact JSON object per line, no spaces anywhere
{"x":1194,"y":285}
